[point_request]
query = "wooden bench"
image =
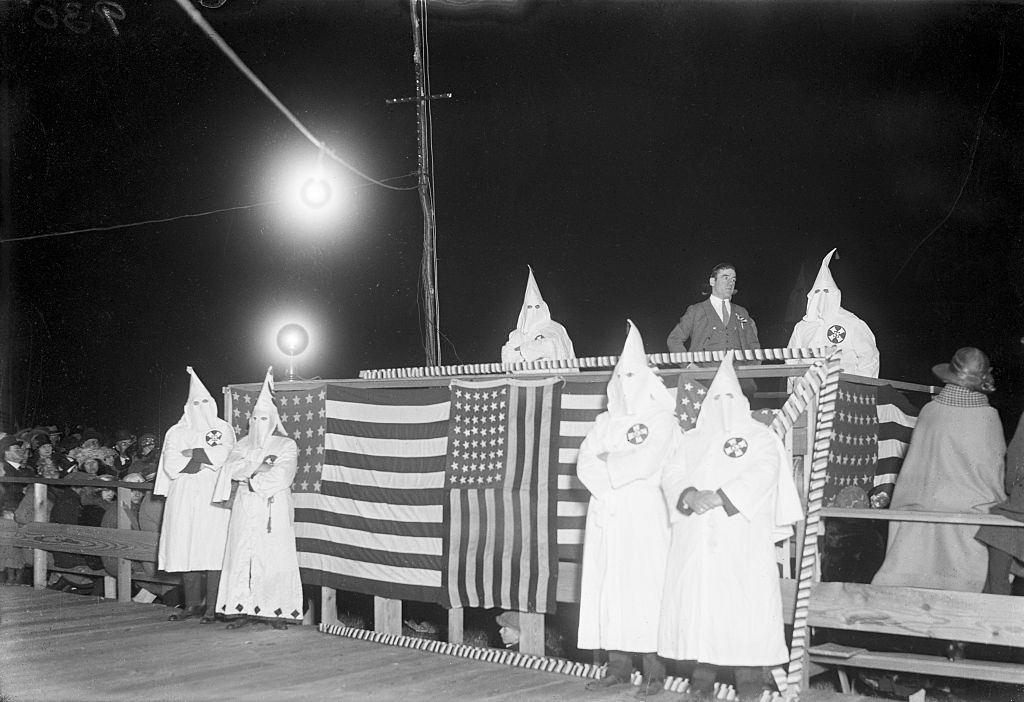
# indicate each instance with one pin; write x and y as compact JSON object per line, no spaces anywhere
{"x":918,"y":612}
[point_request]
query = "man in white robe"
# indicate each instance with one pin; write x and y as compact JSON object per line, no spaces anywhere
{"x":536,"y":337}
{"x":194,"y":529}
{"x":620,"y":463}
{"x":731,"y":496}
{"x":954,"y":464}
{"x":261,"y":570}
{"x":827,"y":323}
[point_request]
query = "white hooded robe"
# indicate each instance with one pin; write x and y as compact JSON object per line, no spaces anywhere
{"x":261,"y":569}
{"x":722,"y":603}
{"x":194,"y":529}
{"x":826,"y":323}
{"x":627,"y":530}
{"x":536,"y":337}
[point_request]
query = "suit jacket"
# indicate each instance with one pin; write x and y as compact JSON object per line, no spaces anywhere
{"x":701,"y":320}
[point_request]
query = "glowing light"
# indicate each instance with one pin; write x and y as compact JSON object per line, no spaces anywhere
{"x":315,"y":192}
{"x":292,"y":339}
{"x":313,"y":197}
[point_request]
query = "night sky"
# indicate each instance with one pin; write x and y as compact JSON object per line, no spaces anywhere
{"x":620,"y":148}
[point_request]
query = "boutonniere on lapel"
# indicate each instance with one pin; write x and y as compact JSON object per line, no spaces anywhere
{"x":741,"y":319}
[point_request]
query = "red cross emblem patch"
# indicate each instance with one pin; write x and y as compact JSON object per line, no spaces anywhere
{"x":214,"y":437}
{"x":637,"y":434}
{"x":836,"y":333}
{"x":735,"y":447}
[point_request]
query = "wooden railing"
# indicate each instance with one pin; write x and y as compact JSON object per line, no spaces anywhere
{"x":123,"y":543}
{"x":967,"y":617}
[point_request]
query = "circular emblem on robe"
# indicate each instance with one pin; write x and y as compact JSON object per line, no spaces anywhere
{"x":836,"y":333}
{"x":735,"y":447}
{"x":214,"y":437}
{"x":637,"y":434}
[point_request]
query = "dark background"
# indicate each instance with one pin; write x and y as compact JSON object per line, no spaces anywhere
{"x":620,"y":148}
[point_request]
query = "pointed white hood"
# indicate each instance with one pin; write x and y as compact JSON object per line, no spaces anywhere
{"x":824,"y":297}
{"x":200,"y":413}
{"x":635,"y":388}
{"x":265,"y":419}
{"x":535,"y":315}
{"x":725,"y":407}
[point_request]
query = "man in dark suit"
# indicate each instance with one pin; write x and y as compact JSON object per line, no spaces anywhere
{"x":14,"y":454}
{"x":716,"y":324}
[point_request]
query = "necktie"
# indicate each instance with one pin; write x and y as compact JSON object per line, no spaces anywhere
{"x":725,"y":313}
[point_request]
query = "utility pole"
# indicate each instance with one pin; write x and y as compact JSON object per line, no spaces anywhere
{"x":7,"y":329}
{"x":428,"y":265}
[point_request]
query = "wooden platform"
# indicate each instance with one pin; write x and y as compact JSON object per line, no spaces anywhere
{"x":55,"y":647}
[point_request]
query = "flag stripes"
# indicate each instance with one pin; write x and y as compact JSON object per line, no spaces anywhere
{"x":500,"y":550}
{"x":897,"y":418}
{"x":581,"y":403}
{"x":870,"y":437}
{"x":376,"y":525}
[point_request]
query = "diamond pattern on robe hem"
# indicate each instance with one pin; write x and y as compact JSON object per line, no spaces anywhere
{"x":256,"y":609}
{"x":295,"y":614}
{"x":239,"y":607}
{"x":278,"y":611}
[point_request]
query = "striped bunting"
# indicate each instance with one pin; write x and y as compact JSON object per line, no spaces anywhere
{"x":587,"y":671}
{"x":376,"y":524}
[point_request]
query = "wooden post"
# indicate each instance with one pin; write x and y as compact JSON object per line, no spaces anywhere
{"x":456,"y":625}
{"x":124,"y":566}
{"x":38,"y":554}
{"x":387,"y":616}
{"x":328,"y":605}
{"x":531,"y":633}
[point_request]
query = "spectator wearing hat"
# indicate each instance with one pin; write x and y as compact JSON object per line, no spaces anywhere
{"x":15,"y":454}
{"x":954,"y":464}
{"x":147,"y":459}
{"x":44,"y":460}
{"x":124,"y":440}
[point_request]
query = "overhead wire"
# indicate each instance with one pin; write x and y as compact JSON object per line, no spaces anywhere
{"x":160,"y":220}
{"x":219,"y":42}
{"x":173,"y":218}
{"x":971,"y":159}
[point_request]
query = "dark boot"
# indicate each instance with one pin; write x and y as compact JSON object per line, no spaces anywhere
{"x":749,"y":683}
{"x":653,"y":682}
{"x":702,"y":682}
{"x":212,"y":586}
{"x":620,"y":668}
{"x":240,"y":622}
{"x":192,"y":583}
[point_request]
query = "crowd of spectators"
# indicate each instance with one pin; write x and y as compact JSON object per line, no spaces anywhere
{"x":81,"y":459}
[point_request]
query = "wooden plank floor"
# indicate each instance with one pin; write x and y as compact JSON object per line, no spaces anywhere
{"x":56,"y":647}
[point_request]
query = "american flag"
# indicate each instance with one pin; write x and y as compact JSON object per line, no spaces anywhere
{"x":581,"y":403}
{"x":375,"y":525}
{"x":500,"y":512}
{"x":689,"y":398}
{"x":870,"y":436}
{"x":304,"y":418}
